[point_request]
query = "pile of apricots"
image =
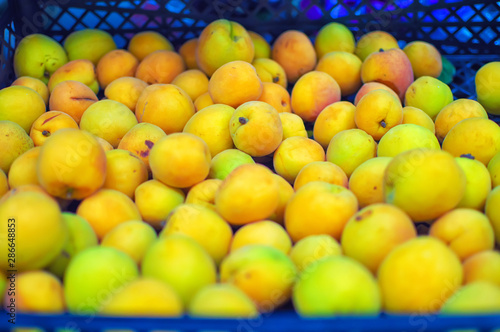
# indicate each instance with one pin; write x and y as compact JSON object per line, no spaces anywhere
{"x":235,"y":175}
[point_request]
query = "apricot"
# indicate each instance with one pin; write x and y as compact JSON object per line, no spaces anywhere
{"x":48,"y":123}
{"x":392,"y":225}
{"x":80,"y":70}
{"x":260,"y":45}
{"x":333,"y":119}
{"x":156,"y":200}
{"x":491,"y":211}
{"x":466,"y":231}
{"x":425,"y":59}
{"x":345,"y":68}
{"x":270,"y":71}
{"x":37,"y":55}
{"x":391,"y":67}
{"x":35,"y":84}
{"x":194,"y":82}
{"x":124,"y":171}
{"x":90,"y":44}
{"x":479,"y":297}
{"x":229,"y":36}
{"x":309,"y":210}
{"x":263,"y":232}
{"x":93,"y":270}
{"x":494,"y":169}
{"x":80,"y":237}
{"x":140,"y":139}
{"x":336,"y":285}
{"x":28,"y":60}
{"x":188,"y":53}
{"x":21,"y":105}
{"x":165,"y":105}
{"x":145,"y":297}
{"x":222,"y":300}
{"x":455,"y":112}
{"x":293,"y":154}
{"x":425,"y":183}
{"x":38,"y":291}
{"x":293,"y":125}
{"x":487,"y":83}
{"x":483,"y":266}
{"x":203,"y":193}
{"x":115,"y":64}
{"x":478,"y":184}
{"x":478,"y":137}
{"x":333,"y":37}
{"x":26,"y":188}
{"x":180,"y":160}
{"x":374,"y":41}
{"x":196,"y":221}
{"x":377,"y":112}
{"x":256,"y":128}
{"x":203,"y":101}
{"x":276,"y":96}
{"x":419,"y":276}
{"x":103,"y":143}
{"x":146,"y":42}
{"x":324,"y":171}
{"x":166,"y":254}
{"x":23,"y":169}
{"x":107,"y":209}
{"x":249,"y":193}
{"x":212,"y":125}
{"x":367,"y":181}
{"x":295,"y":53}
{"x":312,"y":93}
{"x":405,"y":137}
{"x":417,"y":116}
{"x":133,"y":237}
{"x":15,"y":142}
{"x":350,"y":148}
{"x":34,"y":214}
{"x":428,"y":94}
{"x":235,"y":83}
{"x":108,"y":119}
{"x":226,"y":161}
{"x":125,"y":90}
{"x":72,"y":98}
{"x":160,"y":67}
{"x":313,"y":248}
{"x":72,"y":164}
{"x":370,"y":86}
{"x":4,"y":185}
{"x":285,"y":192}
{"x":264,"y":273}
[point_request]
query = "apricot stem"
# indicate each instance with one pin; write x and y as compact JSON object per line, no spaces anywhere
{"x":46,"y":133}
{"x":468,"y":155}
{"x":242,"y":120}
{"x":383,"y":124}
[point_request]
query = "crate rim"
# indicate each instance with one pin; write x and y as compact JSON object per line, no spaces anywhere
{"x":277,"y":321}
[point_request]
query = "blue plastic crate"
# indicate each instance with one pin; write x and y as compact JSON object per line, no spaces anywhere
{"x":281,"y":321}
{"x":466,"y":32}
